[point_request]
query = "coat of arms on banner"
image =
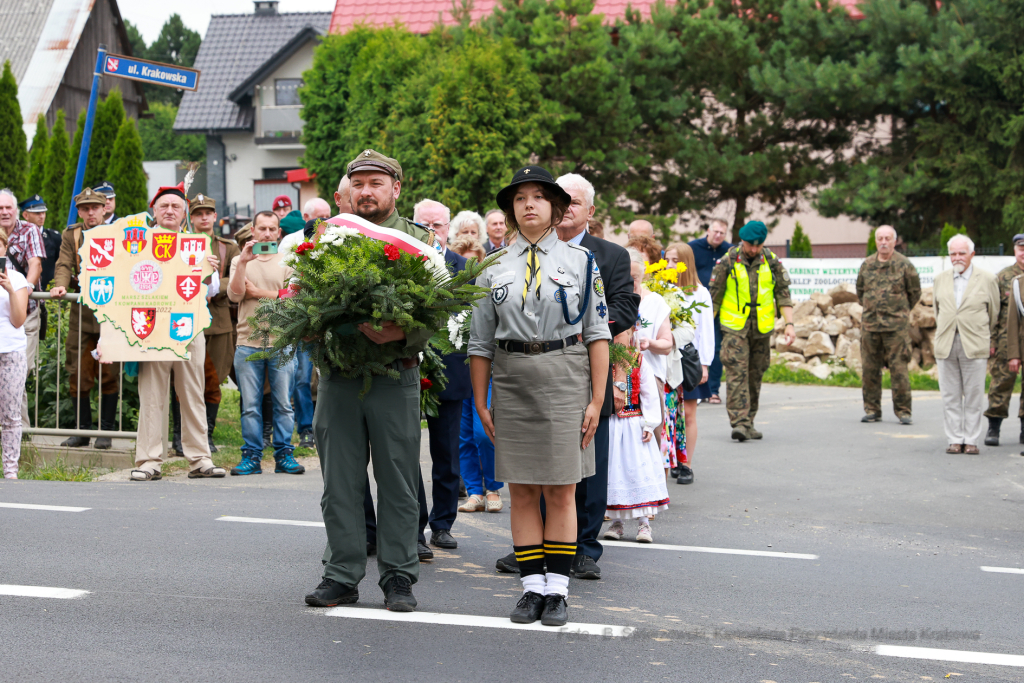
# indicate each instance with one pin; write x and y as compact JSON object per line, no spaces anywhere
{"x":181,"y":326}
{"x":101,"y":290}
{"x":193,"y":250}
{"x":164,"y":245}
{"x":134,"y":240}
{"x":101,"y":253}
{"x":146,"y":276}
{"x":188,"y":286}
{"x":143,"y":321}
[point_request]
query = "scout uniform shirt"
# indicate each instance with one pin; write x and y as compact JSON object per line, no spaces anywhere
{"x":525,"y":301}
{"x":720,"y":276}
{"x":887,"y":290}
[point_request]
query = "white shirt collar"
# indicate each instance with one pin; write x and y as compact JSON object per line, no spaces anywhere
{"x":966,"y":275}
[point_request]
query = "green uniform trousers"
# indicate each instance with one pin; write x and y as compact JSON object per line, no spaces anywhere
{"x":892,"y":350}
{"x":1001,"y":389}
{"x":384,"y":425}
{"x":745,"y":358}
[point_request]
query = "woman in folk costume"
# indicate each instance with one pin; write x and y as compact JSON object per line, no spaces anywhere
{"x":636,"y":478}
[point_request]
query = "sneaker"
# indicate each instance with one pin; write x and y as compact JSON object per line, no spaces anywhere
{"x":555,"y":612}
{"x":615,"y":532}
{"x":306,"y":440}
{"x":286,"y":464}
{"x":331,"y":593}
{"x":643,"y":533}
{"x":528,"y":609}
{"x":509,"y":564}
{"x":585,"y":567}
{"x":398,"y":595}
{"x":250,"y":464}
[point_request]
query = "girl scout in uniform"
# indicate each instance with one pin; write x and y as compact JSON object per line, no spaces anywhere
{"x":545,"y":328}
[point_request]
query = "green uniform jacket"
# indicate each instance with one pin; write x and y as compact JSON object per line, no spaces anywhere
{"x":220,"y":307}
{"x":416,"y":340}
{"x":66,"y":272}
{"x":1004,"y":279}
{"x":720,"y":277}
{"x":887,"y":290}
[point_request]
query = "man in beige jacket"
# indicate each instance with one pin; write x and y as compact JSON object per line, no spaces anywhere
{"x":966,"y":314}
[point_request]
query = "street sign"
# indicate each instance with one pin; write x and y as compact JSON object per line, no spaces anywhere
{"x":146,"y":71}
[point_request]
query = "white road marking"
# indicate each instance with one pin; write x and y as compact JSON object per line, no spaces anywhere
{"x":698,"y":549}
{"x":483,"y":622}
{"x":53,"y":508}
{"x":257,"y":520}
{"x":41,"y":592}
{"x":949,"y":655}
{"x":1003,"y":570}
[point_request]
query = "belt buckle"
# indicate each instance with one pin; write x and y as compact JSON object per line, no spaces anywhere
{"x":535,"y":347}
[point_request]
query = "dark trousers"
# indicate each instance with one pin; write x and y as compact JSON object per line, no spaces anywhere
{"x":715,"y":369}
{"x":592,"y":498}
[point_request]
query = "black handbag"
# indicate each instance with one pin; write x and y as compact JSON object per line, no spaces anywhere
{"x":693,"y":372}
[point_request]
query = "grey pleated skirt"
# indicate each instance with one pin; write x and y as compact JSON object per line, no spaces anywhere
{"x":538,"y":403}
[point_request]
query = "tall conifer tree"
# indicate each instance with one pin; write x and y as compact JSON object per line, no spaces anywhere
{"x":126,"y":172}
{"x":109,"y":117}
{"x":37,"y":158}
{"x":13,"y":143}
{"x":69,"y":176}
{"x":56,"y":170}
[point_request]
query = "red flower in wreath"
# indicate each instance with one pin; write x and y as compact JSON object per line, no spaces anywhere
{"x":424,"y":382}
{"x":304,"y":247}
{"x":391,"y":251}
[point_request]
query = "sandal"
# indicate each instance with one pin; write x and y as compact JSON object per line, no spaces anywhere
{"x":214,"y":472}
{"x":714,"y":400}
{"x":954,"y":448}
{"x":971,"y":449}
{"x":475,"y":503}
{"x":495,"y":504}
{"x":143,"y":475}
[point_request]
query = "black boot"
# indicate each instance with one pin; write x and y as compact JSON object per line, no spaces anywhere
{"x":1022,"y":430}
{"x":80,"y":407}
{"x":211,"y":422}
{"x":176,"y":449}
{"x":268,"y":422}
{"x":108,"y":420}
{"x":992,"y":438}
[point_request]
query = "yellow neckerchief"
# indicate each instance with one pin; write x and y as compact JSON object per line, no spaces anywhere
{"x":532,"y":267}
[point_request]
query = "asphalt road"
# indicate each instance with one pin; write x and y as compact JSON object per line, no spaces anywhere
{"x":872,"y":540}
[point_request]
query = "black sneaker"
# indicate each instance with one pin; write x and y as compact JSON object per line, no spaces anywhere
{"x":528,"y":609}
{"x":555,"y":612}
{"x":398,"y":595}
{"x":442,"y":538}
{"x":331,"y":593}
{"x":507,"y":564}
{"x":424,"y":552}
{"x":685,"y":475}
{"x":585,"y":567}
{"x":306,"y":440}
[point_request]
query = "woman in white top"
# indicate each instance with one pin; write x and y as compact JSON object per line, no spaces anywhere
{"x":653,"y":327}
{"x":14,"y":291}
{"x":704,"y":341}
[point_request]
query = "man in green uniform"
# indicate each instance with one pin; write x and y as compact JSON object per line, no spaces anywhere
{"x":888,"y":287}
{"x":1001,"y":388}
{"x":81,"y":367}
{"x":384,"y":426}
{"x":749,"y":288}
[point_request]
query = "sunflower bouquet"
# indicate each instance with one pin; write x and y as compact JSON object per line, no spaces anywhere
{"x":665,"y":282}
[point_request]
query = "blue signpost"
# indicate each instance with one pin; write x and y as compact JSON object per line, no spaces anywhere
{"x":134,"y":69}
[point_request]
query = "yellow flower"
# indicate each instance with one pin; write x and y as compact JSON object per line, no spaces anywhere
{"x":668,"y":275}
{"x":681,"y":267}
{"x":655,"y":267}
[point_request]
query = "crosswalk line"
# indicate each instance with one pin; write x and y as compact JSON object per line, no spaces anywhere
{"x":258,"y":520}
{"x":699,"y":549}
{"x":52,"y":508}
{"x":1003,"y":570}
{"x":41,"y":592}
{"x":965,"y":656}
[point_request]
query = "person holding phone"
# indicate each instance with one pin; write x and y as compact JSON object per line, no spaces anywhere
{"x":544,"y":331}
{"x":14,"y":291}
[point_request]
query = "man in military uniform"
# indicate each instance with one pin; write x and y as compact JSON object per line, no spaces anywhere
{"x":33,"y":210}
{"x":81,"y":367}
{"x":888,"y":287}
{"x":1001,"y":388}
{"x":383,"y":425}
{"x":109,"y":210}
{"x":749,"y":288}
{"x":220,"y":343}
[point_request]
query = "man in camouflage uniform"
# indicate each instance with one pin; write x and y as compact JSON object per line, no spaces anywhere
{"x":749,"y":288}
{"x":1001,"y":388}
{"x":888,"y":287}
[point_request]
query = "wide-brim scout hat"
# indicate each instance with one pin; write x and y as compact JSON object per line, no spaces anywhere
{"x":372,"y":160}
{"x":90,"y":196}
{"x":529,"y":174}
{"x":201,"y":201}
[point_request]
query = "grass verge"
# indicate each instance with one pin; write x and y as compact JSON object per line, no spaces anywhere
{"x":58,"y":470}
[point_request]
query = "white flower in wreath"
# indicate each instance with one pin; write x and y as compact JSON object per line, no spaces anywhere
{"x":437,"y":264}
{"x":455,"y":331}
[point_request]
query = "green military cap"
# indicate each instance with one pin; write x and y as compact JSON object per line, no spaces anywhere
{"x":243,"y":233}
{"x":201,"y":201}
{"x":754,"y":232}
{"x":371,"y":160}
{"x":90,"y":196}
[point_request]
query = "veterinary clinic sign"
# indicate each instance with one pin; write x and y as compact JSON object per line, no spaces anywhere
{"x":147,"y":283}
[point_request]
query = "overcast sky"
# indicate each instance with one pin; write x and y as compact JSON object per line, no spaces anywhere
{"x":150,"y":16}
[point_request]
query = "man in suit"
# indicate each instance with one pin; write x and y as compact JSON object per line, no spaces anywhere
{"x":496,"y":228}
{"x":613,"y":263}
{"x":966,"y":316}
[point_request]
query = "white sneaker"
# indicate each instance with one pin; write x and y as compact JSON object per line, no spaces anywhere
{"x":643,"y":533}
{"x":616,"y":531}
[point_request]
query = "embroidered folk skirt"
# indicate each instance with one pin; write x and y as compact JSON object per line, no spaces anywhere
{"x":538,"y":403}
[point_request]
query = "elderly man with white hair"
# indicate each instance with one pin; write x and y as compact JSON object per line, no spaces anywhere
{"x":966,"y":314}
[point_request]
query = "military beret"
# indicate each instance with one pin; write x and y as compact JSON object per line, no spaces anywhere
{"x":90,"y":196}
{"x":754,"y":232}
{"x":177,"y":190}
{"x":293,"y":222}
{"x":106,"y":189}
{"x":33,"y":204}
{"x":201,"y":201}
{"x":371,"y":160}
{"x":281,"y":201}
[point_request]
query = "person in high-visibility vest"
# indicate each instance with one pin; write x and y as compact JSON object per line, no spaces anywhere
{"x":749,"y":290}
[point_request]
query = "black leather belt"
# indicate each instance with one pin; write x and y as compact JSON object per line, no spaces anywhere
{"x":537,"y":347}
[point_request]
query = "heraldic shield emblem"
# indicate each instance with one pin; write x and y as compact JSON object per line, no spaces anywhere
{"x":101,"y":290}
{"x":181,"y":326}
{"x":134,"y":240}
{"x":101,"y":253}
{"x":187,"y":286}
{"x":143,"y":321}
{"x":165,"y":244}
{"x":193,"y":250}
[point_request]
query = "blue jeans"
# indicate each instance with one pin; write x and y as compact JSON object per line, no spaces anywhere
{"x":715,"y":369}
{"x":476,"y":452}
{"x":250,"y":382}
{"x":301,"y":392}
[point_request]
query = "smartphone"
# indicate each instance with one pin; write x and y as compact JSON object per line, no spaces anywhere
{"x":264,"y":248}
{"x":3,"y":263}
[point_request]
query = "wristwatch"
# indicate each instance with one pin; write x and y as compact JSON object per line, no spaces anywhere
{"x":621,"y":386}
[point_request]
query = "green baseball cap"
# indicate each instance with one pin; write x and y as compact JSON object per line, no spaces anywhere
{"x":372,"y":160}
